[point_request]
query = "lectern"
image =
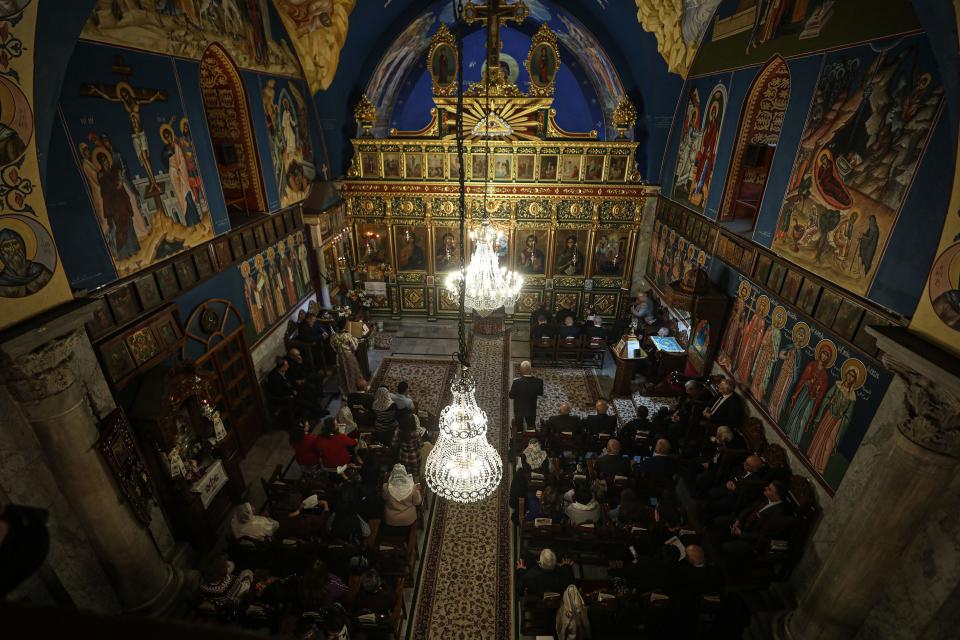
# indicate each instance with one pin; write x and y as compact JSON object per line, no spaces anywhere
{"x":626,"y":353}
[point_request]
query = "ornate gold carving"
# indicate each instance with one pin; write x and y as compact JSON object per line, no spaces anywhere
{"x":539,"y":63}
{"x":624,"y":117}
{"x":442,"y":46}
{"x":411,"y":278}
{"x":527,"y":302}
{"x":366,"y":115}
{"x":413,"y":298}
{"x":663,"y":20}
{"x":605,"y":304}
{"x":933,"y":413}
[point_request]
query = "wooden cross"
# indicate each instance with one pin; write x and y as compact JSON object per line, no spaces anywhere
{"x":493,"y":12}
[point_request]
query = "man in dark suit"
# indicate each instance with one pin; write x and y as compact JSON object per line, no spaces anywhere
{"x":660,"y":468}
{"x":312,"y":332}
{"x":284,"y":398}
{"x":541,"y":312}
{"x":766,"y":519}
{"x":727,"y":409}
{"x":361,"y":404}
{"x":560,"y":423}
{"x":600,"y":422}
{"x":304,"y":377}
{"x":742,"y":487}
{"x":543,"y":329}
{"x":694,"y":578}
{"x":594,"y":329}
{"x":524,"y":392}
{"x":565,"y":311}
{"x":612,"y":463}
{"x":628,"y":433}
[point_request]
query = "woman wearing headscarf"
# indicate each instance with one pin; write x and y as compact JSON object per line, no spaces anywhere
{"x":534,"y":456}
{"x":584,"y":508}
{"x":406,"y":441}
{"x":401,"y":499}
{"x":573,"y":622}
{"x":385,"y":412}
{"x":348,"y":367}
{"x":246,"y":524}
{"x":345,"y":420}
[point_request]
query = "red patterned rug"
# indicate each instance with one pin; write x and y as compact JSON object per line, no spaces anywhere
{"x":466,"y":584}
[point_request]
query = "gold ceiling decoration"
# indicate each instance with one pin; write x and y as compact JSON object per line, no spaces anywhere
{"x":366,"y":115}
{"x":442,"y":62}
{"x":543,"y":62}
{"x":624,"y":116}
{"x":318,"y":31}
{"x":663,"y":19}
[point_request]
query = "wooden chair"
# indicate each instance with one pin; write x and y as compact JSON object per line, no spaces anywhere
{"x":538,"y":615}
{"x":593,"y":352}
{"x":397,"y":556}
{"x":568,"y":351}
{"x":753,"y":434}
{"x":775,"y":457}
{"x":543,"y":350}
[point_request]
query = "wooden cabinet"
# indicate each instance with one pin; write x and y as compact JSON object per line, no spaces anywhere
{"x":195,"y":462}
{"x":697,"y":311}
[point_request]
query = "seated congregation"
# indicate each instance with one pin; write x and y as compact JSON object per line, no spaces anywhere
{"x":335,"y":544}
{"x":661,"y":523}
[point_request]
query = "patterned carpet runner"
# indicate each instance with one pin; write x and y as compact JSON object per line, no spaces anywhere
{"x":466,"y":581}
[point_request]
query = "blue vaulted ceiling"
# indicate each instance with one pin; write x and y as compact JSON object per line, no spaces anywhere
{"x":631,"y":51}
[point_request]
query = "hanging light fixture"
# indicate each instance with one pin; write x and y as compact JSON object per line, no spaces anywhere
{"x":462,"y":465}
{"x":488,"y":286}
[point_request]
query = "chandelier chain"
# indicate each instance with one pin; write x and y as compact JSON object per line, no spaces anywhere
{"x":461,"y":179}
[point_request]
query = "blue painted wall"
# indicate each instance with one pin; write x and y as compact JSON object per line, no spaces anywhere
{"x":578,"y":108}
{"x":86,"y":259}
{"x":902,"y":271}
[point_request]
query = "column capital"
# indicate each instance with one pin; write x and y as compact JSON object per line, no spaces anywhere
{"x":43,"y":372}
{"x":932,"y":398}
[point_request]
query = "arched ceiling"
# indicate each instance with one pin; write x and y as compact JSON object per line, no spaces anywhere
{"x":579,"y":50}
{"x":631,"y":52}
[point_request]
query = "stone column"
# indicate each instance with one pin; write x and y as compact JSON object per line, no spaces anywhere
{"x":45,"y":385}
{"x":908,"y":478}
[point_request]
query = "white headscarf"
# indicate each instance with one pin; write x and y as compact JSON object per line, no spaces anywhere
{"x":345,"y":417}
{"x":245,"y":524}
{"x":534,"y":454}
{"x":382,"y":399}
{"x":400,"y":485}
{"x":572,"y":620}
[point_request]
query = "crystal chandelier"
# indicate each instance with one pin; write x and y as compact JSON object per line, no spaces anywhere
{"x":462,"y":465}
{"x":488,"y":285}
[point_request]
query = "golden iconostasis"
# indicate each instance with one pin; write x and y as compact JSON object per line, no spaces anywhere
{"x":576,"y":250}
